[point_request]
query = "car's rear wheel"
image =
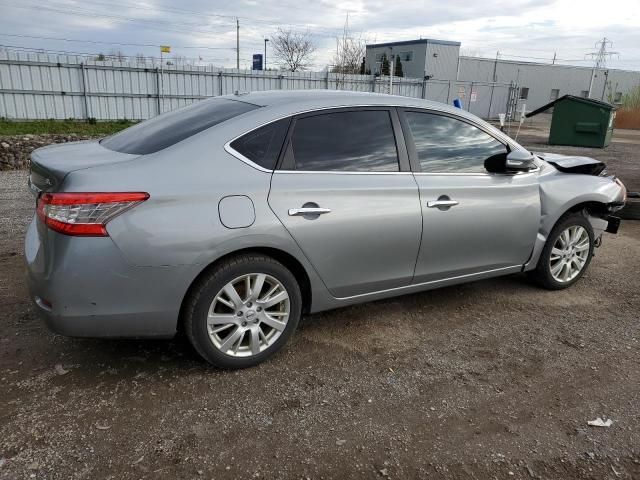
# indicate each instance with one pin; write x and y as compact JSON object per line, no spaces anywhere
{"x":243,"y":311}
{"x":567,"y":253}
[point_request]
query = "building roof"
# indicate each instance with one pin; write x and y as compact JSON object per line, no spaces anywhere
{"x":588,"y":101}
{"x":414,"y":42}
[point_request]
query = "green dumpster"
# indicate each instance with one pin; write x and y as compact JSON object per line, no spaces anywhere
{"x":579,"y":122}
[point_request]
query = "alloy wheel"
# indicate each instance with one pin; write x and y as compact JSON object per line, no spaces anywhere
{"x":248,"y":315}
{"x":569,"y":254}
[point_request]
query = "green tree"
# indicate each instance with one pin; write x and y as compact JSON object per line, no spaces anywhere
{"x":397,"y":71}
{"x":385,"y":68}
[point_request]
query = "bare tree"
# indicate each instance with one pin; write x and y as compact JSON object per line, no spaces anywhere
{"x":292,"y":50}
{"x":117,"y":55}
{"x":350,"y":55}
{"x":141,"y":59}
{"x":350,"y":51}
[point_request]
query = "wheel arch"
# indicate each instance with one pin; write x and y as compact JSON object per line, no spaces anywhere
{"x":288,"y":260}
{"x":594,"y":207}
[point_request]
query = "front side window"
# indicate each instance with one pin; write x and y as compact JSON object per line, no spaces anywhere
{"x":262,"y":146}
{"x":172,"y":127}
{"x":524,"y":93}
{"x":447,"y":145}
{"x":357,"y":141}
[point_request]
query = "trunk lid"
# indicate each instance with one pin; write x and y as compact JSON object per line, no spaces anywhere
{"x":574,"y":164}
{"x":51,"y":164}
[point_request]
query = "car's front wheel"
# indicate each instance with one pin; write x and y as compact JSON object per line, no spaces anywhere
{"x":567,"y":253}
{"x":243,"y":311}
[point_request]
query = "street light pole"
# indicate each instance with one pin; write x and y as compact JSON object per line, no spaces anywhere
{"x":265,"y":53}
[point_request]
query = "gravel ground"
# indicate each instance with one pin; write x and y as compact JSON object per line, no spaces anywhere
{"x":493,"y":379}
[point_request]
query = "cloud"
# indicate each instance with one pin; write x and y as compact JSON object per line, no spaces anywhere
{"x":520,"y":29}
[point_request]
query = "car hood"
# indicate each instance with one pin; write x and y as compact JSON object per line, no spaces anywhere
{"x":574,"y":164}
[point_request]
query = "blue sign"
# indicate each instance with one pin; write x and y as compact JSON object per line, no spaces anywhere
{"x":257,"y":61}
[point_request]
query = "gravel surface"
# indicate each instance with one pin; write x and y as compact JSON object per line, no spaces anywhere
{"x":493,"y":379}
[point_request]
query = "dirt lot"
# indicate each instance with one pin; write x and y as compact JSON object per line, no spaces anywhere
{"x":494,"y":379}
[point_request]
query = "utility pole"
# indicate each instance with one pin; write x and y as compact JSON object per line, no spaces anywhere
{"x":604,"y":87}
{"x":238,"y":43}
{"x":495,"y":67}
{"x":554,"y":59}
{"x":600,"y":59}
{"x":265,"y":53}
{"x":391,"y":66}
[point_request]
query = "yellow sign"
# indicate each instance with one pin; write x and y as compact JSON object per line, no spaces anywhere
{"x":165,"y":48}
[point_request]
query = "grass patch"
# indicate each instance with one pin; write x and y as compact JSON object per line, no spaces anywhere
{"x":64,"y":127}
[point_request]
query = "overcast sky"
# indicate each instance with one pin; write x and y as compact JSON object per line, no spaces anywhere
{"x":519,"y":29}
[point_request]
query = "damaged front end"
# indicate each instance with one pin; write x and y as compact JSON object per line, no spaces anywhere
{"x":574,"y":164}
{"x":600,"y":213}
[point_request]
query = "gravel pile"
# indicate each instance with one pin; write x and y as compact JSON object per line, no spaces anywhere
{"x":15,"y":150}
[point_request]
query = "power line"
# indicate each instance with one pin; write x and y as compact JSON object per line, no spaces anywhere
{"x":110,"y":43}
{"x":64,"y":9}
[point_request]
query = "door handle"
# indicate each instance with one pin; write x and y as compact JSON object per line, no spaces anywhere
{"x":293,"y":212}
{"x":441,"y":203}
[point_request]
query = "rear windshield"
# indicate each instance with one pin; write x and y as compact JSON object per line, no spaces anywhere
{"x":172,"y":127}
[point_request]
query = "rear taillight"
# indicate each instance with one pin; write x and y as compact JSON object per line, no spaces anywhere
{"x":85,"y":214}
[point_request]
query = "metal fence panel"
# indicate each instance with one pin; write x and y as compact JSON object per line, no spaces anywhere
{"x":42,"y":86}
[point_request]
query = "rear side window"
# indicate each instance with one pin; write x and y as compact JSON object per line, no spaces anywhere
{"x":358,"y":141}
{"x":447,"y":145}
{"x":172,"y":127}
{"x":262,"y":146}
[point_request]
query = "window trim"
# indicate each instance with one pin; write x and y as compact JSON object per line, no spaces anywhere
{"x":413,"y":153}
{"x":404,"y":166}
{"x":402,"y":139}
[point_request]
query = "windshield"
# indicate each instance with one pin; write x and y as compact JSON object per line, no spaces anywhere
{"x":172,"y":127}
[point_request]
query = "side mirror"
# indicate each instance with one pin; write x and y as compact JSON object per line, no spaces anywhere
{"x":519,"y":161}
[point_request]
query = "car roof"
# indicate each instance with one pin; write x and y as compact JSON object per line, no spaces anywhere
{"x":311,"y":99}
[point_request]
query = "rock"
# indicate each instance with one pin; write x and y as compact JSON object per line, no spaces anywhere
{"x":340,"y":442}
{"x":5,"y":145}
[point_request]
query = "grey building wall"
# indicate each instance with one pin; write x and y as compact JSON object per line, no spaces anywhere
{"x":546,"y":82}
{"x":438,"y":58}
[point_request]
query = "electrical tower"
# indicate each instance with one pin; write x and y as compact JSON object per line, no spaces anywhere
{"x":600,"y":58}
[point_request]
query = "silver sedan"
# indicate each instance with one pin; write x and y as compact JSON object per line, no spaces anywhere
{"x":231,"y":217}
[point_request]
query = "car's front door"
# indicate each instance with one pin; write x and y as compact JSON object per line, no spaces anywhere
{"x":345,"y":193}
{"x":473,"y":221}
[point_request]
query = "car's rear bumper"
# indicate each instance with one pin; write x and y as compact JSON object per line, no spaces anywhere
{"x":82,"y":286}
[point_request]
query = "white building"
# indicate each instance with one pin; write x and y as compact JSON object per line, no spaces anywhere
{"x":420,"y":58}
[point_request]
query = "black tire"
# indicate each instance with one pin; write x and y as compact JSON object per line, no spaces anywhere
{"x":542,"y":273}
{"x":208,"y":287}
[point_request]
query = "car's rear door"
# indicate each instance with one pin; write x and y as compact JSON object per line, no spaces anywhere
{"x":473,"y":221}
{"x":345,"y":193}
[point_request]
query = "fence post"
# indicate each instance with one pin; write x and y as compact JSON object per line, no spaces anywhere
{"x":470,"y":92}
{"x":221,"y":82}
{"x":449,"y":93}
{"x":493,"y":86}
{"x":158,"y":90}
{"x":281,"y":77}
{"x":84,"y":93}
{"x":373,"y":83}
{"x":326,"y":81}
{"x":424,"y":88}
